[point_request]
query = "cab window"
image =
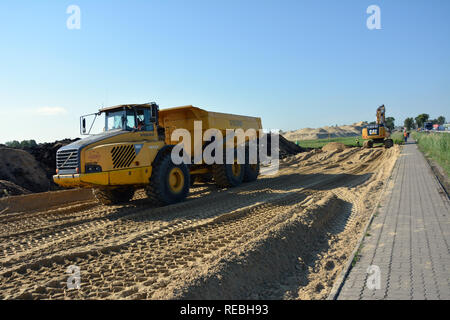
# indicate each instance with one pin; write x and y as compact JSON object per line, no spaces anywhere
{"x":131,"y":121}
{"x":143,"y":119}
{"x":114,"y":120}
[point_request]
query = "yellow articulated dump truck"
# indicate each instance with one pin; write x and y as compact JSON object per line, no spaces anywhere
{"x":134,"y":151}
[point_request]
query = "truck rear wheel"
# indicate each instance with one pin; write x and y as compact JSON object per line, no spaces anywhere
{"x":228,"y":175}
{"x":169,"y":182}
{"x":113,"y":196}
{"x":388,"y":143}
{"x":251,"y":172}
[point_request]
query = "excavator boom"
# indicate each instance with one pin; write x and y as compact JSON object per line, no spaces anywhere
{"x":381,"y":115}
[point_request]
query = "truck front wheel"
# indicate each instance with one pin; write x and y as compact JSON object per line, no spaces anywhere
{"x":113,"y":196}
{"x":169,"y":182}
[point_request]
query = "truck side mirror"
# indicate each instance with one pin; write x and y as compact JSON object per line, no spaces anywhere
{"x":83,"y":125}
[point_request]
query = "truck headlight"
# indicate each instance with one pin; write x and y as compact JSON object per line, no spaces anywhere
{"x":91,"y":168}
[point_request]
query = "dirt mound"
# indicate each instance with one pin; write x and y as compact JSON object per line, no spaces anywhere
{"x":22,"y":169}
{"x":334,"y":146}
{"x":326,"y":132}
{"x":45,"y":154}
{"x":286,"y":147}
{"x":7,"y":188}
{"x":29,"y":169}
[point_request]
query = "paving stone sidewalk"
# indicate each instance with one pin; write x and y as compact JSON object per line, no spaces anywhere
{"x":407,"y":244}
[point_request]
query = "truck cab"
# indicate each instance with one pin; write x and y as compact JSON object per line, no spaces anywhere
{"x":116,"y":155}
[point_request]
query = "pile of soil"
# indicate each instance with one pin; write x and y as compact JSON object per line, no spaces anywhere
{"x":286,"y":148}
{"x":29,"y":170}
{"x":22,"y":169}
{"x":334,"y":146}
{"x":45,"y":154}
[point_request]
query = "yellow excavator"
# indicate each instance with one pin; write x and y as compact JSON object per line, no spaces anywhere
{"x":377,"y":133}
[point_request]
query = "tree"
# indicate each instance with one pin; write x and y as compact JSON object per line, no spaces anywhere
{"x":390,"y":123}
{"x":28,"y":144}
{"x":441,"y":120}
{"x":409,"y":123}
{"x":421,"y":119}
{"x":13,"y":144}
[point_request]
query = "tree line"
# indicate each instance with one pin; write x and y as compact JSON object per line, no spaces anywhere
{"x":21,"y":145}
{"x":418,"y":122}
{"x":412,"y":123}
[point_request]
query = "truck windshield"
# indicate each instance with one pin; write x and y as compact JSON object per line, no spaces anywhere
{"x":122,"y":120}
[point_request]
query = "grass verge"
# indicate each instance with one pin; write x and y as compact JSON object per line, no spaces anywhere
{"x":435,"y":146}
{"x":397,"y":137}
{"x":319,"y":143}
{"x":355,"y":141}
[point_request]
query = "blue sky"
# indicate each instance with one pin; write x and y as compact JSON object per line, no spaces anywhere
{"x":293,"y":63}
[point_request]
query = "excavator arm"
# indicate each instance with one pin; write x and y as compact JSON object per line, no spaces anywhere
{"x":381,"y":115}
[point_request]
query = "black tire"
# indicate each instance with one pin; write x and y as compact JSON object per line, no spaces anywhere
{"x":113,"y":196}
{"x":159,"y":189}
{"x":225,"y":176}
{"x":368,"y":144}
{"x":251,"y":171}
{"x":388,"y":143}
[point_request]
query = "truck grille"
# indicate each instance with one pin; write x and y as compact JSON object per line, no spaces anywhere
{"x":123,"y":156}
{"x":67,"y":159}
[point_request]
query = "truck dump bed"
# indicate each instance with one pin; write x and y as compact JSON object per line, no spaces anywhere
{"x":184,"y":117}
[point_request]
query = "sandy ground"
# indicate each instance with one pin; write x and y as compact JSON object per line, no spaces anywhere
{"x":282,"y":237}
